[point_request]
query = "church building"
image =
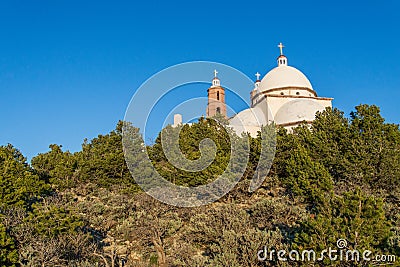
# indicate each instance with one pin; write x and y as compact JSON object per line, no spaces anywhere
{"x":284,"y":96}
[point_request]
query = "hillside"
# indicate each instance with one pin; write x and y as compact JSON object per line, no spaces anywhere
{"x":338,"y":179}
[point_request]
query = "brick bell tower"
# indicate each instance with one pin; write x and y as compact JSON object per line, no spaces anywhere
{"x":216,"y":98}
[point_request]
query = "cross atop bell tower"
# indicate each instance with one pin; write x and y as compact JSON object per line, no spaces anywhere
{"x":215,"y":82}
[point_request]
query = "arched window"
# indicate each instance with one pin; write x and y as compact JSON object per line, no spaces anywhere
{"x":218,"y":110}
{"x":217,"y":95}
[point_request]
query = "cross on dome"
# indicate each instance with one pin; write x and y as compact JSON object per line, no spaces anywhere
{"x":282,"y":59}
{"x":258,"y":81}
{"x":215,"y":73}
{"x":281,"y":46}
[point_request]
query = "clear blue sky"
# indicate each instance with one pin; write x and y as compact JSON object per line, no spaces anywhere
{"x":69,"y":68}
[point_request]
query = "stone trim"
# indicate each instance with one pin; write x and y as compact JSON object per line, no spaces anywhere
{"x":300,"y":96}
{"x":293,"y":96}
{"x":289,"y":88}
{"x":294,"y":123}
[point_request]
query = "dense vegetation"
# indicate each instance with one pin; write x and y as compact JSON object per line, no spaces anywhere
{"x":339,"y":178}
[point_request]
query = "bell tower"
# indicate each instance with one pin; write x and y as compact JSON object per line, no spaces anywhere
{"x":216,"y":98}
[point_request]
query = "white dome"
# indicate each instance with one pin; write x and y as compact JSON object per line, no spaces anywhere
{"x":297,"y":110}
{"x":249,"y":120}
{"x":284,"y":76}
{"x":249,"y":117}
